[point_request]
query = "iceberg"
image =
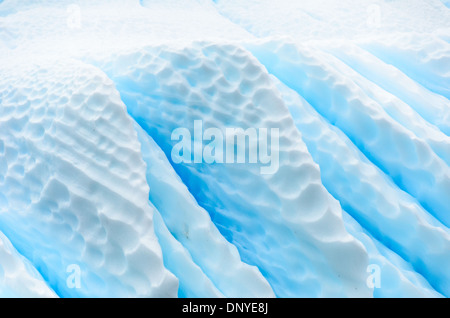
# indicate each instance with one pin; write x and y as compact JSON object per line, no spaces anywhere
{"x":224,"y":148}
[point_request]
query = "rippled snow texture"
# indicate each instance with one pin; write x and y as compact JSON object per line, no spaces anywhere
{"x":91,"y":92}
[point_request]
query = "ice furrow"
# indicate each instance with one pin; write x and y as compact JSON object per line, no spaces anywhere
{"x":118,"y":178}
{"x":55,"y":212}
{"x":402,"y":112}
{"x":194,"y":230}
{"x":431,"y":106}
{"x":370,"y":197}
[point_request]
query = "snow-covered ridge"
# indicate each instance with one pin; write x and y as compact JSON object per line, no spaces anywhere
{"x":93,"y":204}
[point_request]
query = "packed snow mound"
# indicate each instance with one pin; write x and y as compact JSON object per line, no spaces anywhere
{"x":224,"y":148}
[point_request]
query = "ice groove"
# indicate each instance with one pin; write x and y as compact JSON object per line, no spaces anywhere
{"x":422,"y":173}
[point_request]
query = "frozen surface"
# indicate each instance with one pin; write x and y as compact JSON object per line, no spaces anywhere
{"x":18,"y":277}
{"x":64,"y":201}
{"x":162,"y":90}
{"x":91,"y":92}
{"x":194,"y":231}
{"x":408,"y":159}
{"x":371,"y":197}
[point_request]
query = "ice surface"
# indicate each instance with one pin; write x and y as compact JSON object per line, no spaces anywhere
{"x":408,"y":159}
{"x":399,"y":277}
{"x":64,"y":201}
{"x":18,"y":277}
{"x":193,"y":228}
{"x":90,"y":93}
{"x":371,"y":197}
{"x":162,"y":91}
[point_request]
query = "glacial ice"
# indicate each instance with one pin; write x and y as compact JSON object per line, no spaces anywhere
{"x":58,"y":121}
{"x":193,"y":229}
{"x":369,"y":195}
{"x":18,"y":277}
{"x":90,"y":94}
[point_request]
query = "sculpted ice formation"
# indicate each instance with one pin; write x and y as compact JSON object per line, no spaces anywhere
{"x":18,"y":277}
{"x":408,"y":159}
{"x":433,"y":107}
{"x":193,"y":228}
{"x":224,"y":148}
{"x":164,"y":92}
{"x":370,"y":196}
{"x":64,"y":200}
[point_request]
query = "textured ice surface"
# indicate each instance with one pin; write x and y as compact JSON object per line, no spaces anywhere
{"x":408,"y":159}
{"x":64,"y":201}
{"x":162,"y":97}
{"x":18,"y":277}
{"x":90,"y":93}
{"x":370,"y":196}
{"x":399,"y":277}
{"x":194,"y":231}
